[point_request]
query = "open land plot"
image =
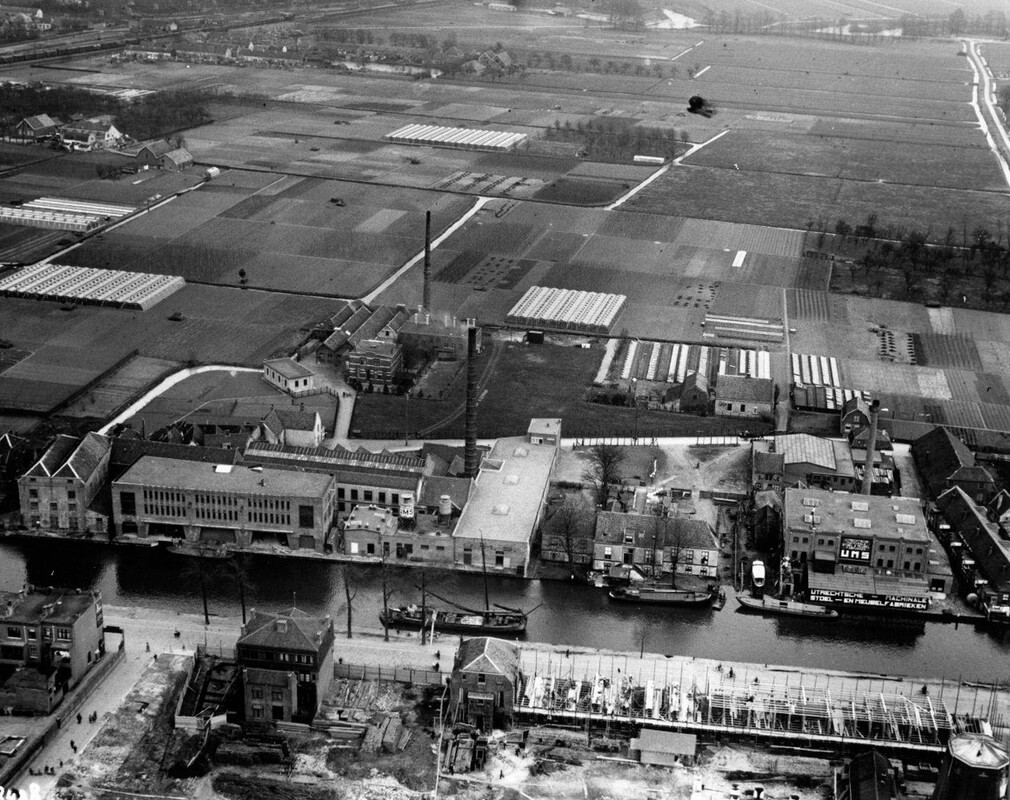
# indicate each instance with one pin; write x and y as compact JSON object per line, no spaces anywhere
{"x":71,"y":349}
{"x":856,"y":159}
{"x":547,"y":375}
{"x":119,"y":387}
{"x":243,"y":394}
{"x":296,"y":239}
{"x":793,"y":200}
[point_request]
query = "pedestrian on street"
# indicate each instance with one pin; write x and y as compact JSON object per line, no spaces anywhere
{"x":79,"y":718}
{"x":73,"y":746}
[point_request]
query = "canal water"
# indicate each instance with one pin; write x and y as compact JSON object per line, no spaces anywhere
{"x":569,"y":613}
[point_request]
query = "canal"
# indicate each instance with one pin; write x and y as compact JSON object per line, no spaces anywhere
{"x":569,"y":613}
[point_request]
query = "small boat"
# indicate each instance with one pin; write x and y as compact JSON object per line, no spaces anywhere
{"x":758,"y":574}
{"x":663,"y":595}
{"x":796,"y":608}
{"x":490,"y":621}
{"x":476,"y":623}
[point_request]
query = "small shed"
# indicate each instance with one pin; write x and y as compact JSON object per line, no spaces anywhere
{"x":665,"y":748}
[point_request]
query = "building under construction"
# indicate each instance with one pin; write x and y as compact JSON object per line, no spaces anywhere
{"x":784,"y":706}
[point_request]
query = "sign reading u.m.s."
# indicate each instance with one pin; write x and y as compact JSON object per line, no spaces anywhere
{"x":855,"y":549}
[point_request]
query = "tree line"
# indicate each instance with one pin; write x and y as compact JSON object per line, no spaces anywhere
{"x":147,"y":118}
{"x":618,"y":139}
{"x":948,"y":260}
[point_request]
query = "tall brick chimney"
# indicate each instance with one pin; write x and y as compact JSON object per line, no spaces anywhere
{"x":427,"y":261}
{"x":470,"y":426}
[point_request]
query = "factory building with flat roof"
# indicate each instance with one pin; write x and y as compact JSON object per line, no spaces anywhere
{"x":862,"y":550}
{"x":222,"y":504}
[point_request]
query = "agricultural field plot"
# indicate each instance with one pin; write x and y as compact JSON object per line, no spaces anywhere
{"x":230,"y":393}
{"x":751,"y":238}
{"x":70,"y":349}
{"x":854,"y":159}
{"x":997,"y":56}
{"x":949,"y":351}
{"x":116,"y":389}
{"x":295,"y":239}
{"x":790,"y":201}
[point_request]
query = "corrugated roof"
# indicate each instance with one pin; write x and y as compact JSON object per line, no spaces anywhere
{"x":804,"y":448}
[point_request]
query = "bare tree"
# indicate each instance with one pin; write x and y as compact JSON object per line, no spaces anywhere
{"x":385,"y":605}
{"x":350,"y":592}
{"x":205,"y":568}
{"x":674,"y":544}
{"x":237,"y":568}
{"x":571,"y":523}
{"x":604,"y":460}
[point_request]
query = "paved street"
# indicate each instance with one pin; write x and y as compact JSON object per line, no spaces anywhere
{"x":157,"y":628}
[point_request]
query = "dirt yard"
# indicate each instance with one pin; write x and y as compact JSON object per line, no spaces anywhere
{"x":705,"y":468}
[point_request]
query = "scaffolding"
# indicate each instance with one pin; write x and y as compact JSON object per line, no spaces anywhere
{"x":825,"y":714}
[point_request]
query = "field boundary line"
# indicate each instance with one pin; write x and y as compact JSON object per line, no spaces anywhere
{"x":477,"y":206}
{"x":163,"y":386}
{"x":685,"y":52}
{"x":981,"y":86}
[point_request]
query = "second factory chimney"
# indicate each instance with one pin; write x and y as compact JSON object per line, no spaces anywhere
{"x":470,"y":426}
{"x":427,"y":262}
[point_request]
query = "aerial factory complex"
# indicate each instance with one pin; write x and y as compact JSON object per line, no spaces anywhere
{"x":499,"y":399}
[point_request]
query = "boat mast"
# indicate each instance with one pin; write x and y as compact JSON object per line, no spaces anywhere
{"x":483,"y":569}
{"x":424,"y":613}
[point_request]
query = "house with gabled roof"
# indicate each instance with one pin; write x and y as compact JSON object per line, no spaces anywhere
{"x":57,"y":491}
{"x":365,"y":342}
{"x":980,"y":548}
{"x":292,"y":428}
{"x":741,"y":396}
{"x":38,"y":127}
{"x":176,"y":160}
{"x":150,"y":154}
{"x":855,"y":415}
{"x":486,"y":679}
{"x":944,"y":461}
{"x":89,"y":134}
{"x":286,"y":660}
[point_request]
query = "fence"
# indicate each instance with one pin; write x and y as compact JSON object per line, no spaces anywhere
{"x":359,"y":672}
